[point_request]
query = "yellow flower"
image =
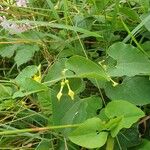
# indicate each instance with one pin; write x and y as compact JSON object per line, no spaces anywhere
{"x":70,"y":92}
{"x":59,"y":95}
{"x":37,"y":78}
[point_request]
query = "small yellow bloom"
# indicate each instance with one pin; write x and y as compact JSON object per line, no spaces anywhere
{"x":71,"y":94}
{"x":59,"y":95}
{"x":37,"y":78}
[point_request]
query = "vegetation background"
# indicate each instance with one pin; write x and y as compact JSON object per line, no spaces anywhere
{"x":74,"y":75}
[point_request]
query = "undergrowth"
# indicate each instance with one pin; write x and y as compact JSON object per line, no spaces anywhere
{"x":74,"y":75}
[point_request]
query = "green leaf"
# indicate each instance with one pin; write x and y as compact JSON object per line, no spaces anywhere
{"x":129,"y":113}
{"x":135,"y":90}
{"x":5,"y":92}
{"x":144,"y":146}
{"x":27,"y":72}
{"x":89,"y":134}
{"x":60,"y":108}
{"x":78,"y":67}
{"x":33,"y":86}
{"x":67,"y":111}
{"x":81,"y":110}
{"x":130,"y":13}
{"x":45,"y":102}
{"x":55,"y":72}
{"x":28,"y":87}
{"x":8,"y":50}
{"x":85,"y":68}
{"x":129,"y":61}
{"x":25,"y":53}
{"x":128,"y":138}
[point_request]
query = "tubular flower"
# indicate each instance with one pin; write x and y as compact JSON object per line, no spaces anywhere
{"x":59,"y":95}
{"x":70,"y":92}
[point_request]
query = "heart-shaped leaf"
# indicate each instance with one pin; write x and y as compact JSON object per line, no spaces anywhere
{"x":89,"y":134}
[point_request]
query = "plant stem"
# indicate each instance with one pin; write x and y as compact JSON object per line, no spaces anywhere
{"x":110,"y":143}
{"x":10,"y":132}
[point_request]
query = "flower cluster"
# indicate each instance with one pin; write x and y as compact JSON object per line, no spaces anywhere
{"x":70,"y":92}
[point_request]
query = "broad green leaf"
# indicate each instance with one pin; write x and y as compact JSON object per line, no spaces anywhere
{"x":60,"y":108}
{"x":81,"y":110}
{"x":77,"y":67}
{"x":67,"y":111}
{"x":5,"y":92}
{"x":85,"y":68}
{"x":19,"y":94}
{"x":94,"y":103}
{"x":33,"y":86}
{"x":128,"y":138}
{"x":45,"y":102}
{"x":89,"y":134}
{"x":129,"y":61}
{"x":27,"y":72}
{"x":8,"y":50}
{"x":55,"y":72}
{"x":135,"y":90}
{"x":28,"y":87}
{"x":129,"y":113}
{"x":130,"y":13}
{"x":25,"y":53}
{"x":144,"y":146}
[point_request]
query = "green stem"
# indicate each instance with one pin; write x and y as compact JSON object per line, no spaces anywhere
{"x":10,"y":132}
{"x":110,"y":143}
